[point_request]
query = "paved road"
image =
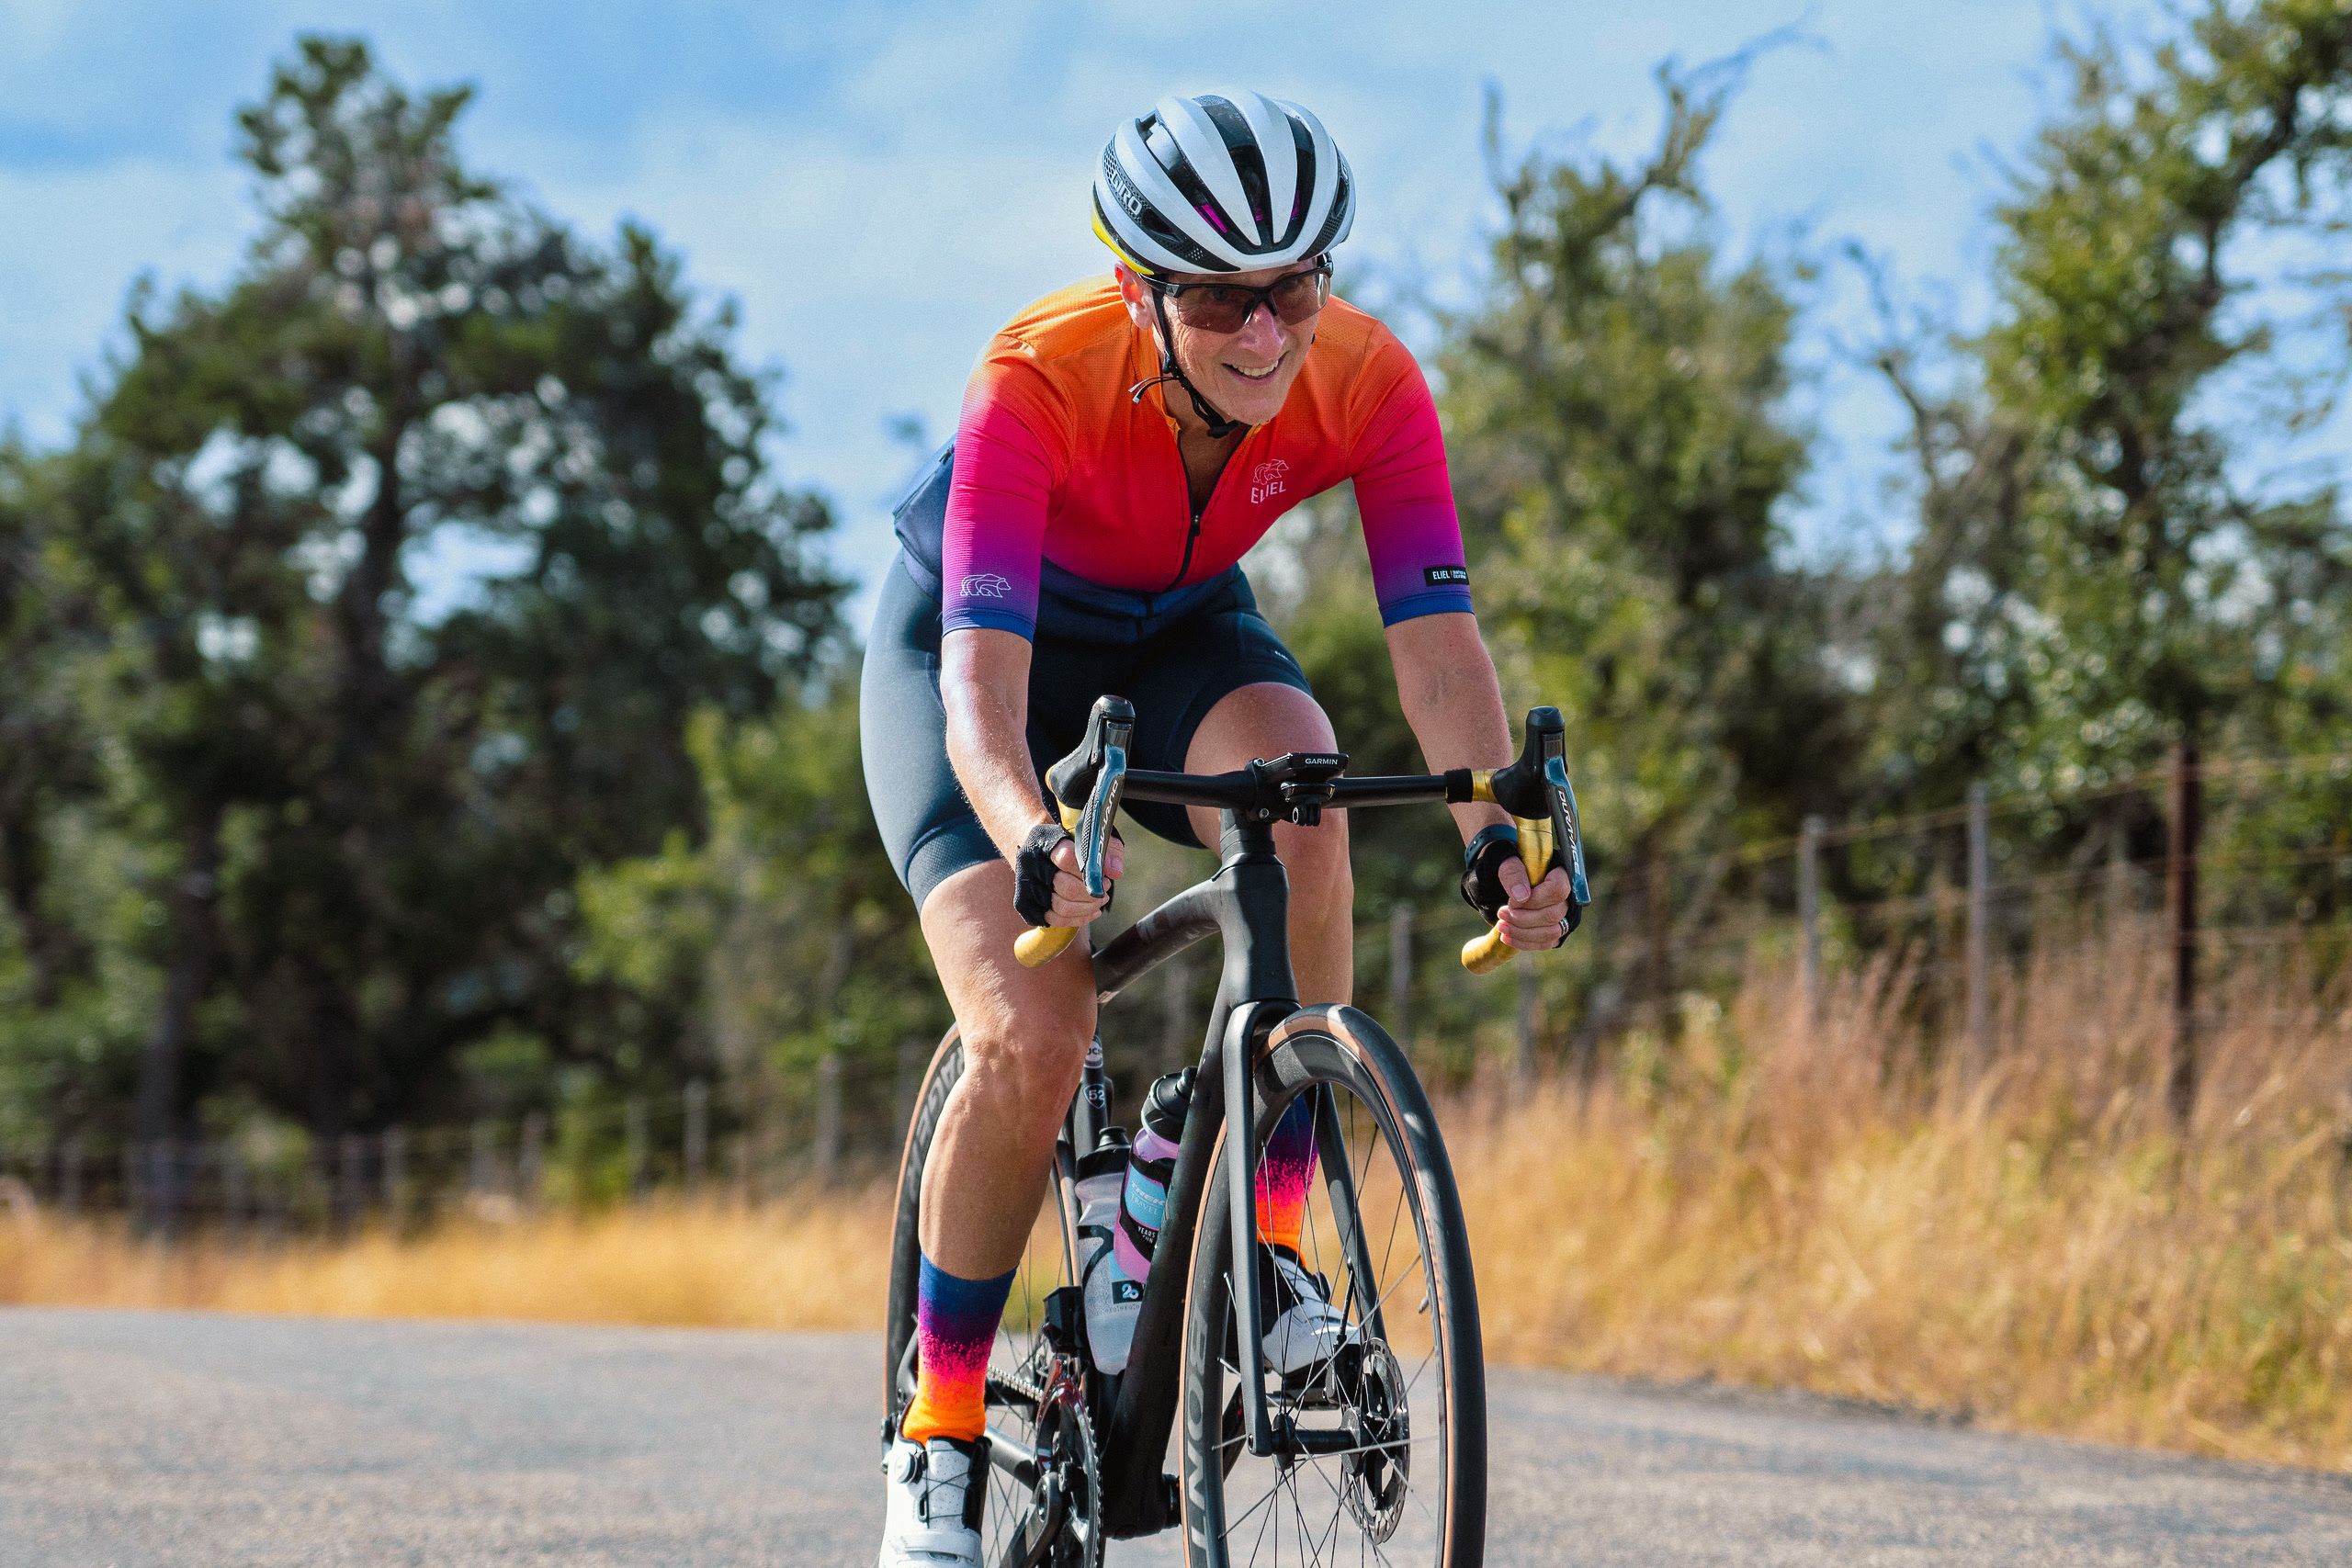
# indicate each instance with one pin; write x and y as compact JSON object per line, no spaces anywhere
{"x":157,"y":1441}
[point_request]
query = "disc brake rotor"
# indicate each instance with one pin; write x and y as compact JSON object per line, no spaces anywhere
{"x":1377,"y":1475}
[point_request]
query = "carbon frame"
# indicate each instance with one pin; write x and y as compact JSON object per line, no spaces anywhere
{"x":1248,"y":904}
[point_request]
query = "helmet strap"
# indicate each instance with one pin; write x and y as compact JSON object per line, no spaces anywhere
{"x":1219,"y":426}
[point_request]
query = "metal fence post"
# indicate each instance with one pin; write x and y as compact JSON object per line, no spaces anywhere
{"x":746,"y":1141}
{"x":269,"y":1182}
{"x":482,"y":1159}
{"x":1980,"y":927}
{"x":2120,"y":893}
{"x":230,"y":1155}
{"x":531,"y":1174}
{"x":1809,"y":915}
{"x":394,"y":1160}
{"x":829,"y":1115}
{"x":350,"y":1195}
{"x":1657,"y":939}
{"x":697,"y":1149}
{"x":69,"y":1177}
{"x":634,"y":1145}
{"x":161,"y":1182}
{"x":2180,"y":907}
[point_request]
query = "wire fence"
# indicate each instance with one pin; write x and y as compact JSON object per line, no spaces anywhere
{"x":1958,"y":895}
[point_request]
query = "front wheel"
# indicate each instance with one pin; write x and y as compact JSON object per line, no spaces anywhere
{"x":1398,"y":1409}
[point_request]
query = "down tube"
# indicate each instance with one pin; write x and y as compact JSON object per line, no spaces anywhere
{"x":1145,"y":1411}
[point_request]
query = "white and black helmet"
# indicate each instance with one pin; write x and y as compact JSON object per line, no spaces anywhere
{"x":1222,"y":183}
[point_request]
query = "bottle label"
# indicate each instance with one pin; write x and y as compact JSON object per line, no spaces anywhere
{"x":1147,"y":1205}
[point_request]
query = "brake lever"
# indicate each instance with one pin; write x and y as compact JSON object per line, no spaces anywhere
{"x":1554,"y":839}
{"x":1566,"y":829}
{"x":1089,"y":825}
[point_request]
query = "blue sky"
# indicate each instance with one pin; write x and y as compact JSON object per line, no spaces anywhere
{"x":880,"y":186}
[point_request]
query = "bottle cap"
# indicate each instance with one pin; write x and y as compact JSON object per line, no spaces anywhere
{"x":1165,"y":1105}
{"x":1106,"y":1158}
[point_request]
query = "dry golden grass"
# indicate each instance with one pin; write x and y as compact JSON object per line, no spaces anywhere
{"x":1765,"y":1203}
{"x":2035,"y":1245}
{"x":792,"y":1264}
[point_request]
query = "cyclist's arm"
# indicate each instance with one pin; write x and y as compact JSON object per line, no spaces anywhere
{"x":983,"y":686}
{"x":1446,"y":684}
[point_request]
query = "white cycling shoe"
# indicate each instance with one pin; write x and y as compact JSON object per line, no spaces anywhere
{"x":933,"y":1517}
{"x":1307,"y":1328}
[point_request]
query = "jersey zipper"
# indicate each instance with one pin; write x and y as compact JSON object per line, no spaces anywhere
{"x":1192,"y":537}
{"x":1193,"y":534}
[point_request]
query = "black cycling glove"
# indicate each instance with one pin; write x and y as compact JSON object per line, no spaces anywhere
{"x":1482,"y":867}
{"x":1032,"y":873}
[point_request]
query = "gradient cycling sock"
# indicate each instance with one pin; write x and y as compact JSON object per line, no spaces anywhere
{"x":956,"y":1320}
{"x":1285,"y":1170}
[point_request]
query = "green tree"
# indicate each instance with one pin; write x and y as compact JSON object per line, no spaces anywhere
{"x":781,"y":935}
{"x":2125,"y":579}
{"x":373,"y":820}
{"x":1622,"y":450}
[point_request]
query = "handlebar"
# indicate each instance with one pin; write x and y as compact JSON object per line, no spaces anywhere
{"x":1087,"y":786}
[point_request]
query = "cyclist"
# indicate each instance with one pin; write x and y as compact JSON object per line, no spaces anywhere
{"x":1121,"y":443}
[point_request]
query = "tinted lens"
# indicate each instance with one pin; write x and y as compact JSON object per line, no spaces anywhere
{"x":1300,"y":294}
{"x":1214,"y":307}
{"x":1224,"y":307}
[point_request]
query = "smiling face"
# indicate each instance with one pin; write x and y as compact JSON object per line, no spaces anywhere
{"x":1247,"y":374}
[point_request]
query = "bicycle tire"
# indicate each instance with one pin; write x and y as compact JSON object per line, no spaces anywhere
{"x":1350,"y":1056}
{"x":1008,"y":1500}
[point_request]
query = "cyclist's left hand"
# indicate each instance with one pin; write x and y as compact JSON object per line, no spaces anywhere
{"x":1532,"y":919}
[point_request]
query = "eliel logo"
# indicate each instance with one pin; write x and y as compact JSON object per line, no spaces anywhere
{"x":1266,"y":481}
{"x":985,"y":585}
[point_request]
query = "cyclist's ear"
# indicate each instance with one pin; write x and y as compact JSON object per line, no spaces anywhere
{"x":1136,"y":297}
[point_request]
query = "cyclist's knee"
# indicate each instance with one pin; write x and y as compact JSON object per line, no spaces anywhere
{"x":1025,"y":1069}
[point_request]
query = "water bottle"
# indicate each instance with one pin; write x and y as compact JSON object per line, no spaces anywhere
{"x":1113,"y":1296}
{"x":1143,"y":1200}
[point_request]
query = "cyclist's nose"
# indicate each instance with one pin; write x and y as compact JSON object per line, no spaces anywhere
{"x":1261,"y":332}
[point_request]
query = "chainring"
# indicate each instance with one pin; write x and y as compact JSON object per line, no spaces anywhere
{"x":1065,"y":1526}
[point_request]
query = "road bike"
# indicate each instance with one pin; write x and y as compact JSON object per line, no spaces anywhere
{"x":1375,"y":1452}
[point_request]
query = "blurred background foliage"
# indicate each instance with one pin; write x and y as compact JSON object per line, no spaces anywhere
{"x":283,"y":848}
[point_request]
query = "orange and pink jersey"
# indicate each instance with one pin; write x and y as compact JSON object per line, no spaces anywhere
{"x":1061,"y":479}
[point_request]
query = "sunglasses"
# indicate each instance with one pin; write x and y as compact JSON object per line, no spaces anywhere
{"x":1227,"y":307}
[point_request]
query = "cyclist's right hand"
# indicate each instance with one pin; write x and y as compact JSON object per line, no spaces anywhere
{"x":1049,"y":878}
{"x":1072,"y":905}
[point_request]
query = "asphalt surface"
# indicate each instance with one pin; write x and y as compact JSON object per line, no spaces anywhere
{"x":162,"y":1439}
